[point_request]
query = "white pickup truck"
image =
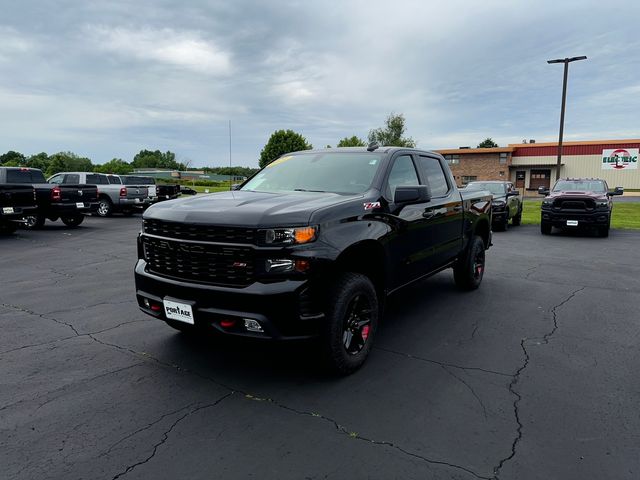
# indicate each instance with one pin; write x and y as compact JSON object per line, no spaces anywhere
{"x":111,"y":197}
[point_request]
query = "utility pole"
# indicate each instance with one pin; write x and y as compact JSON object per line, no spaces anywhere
{"x":566,"y":62}
{"x":229,"y":154}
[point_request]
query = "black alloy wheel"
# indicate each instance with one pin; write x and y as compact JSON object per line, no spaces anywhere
{"x":351,"y":321}
{"x":357,"y":325}
{"x":468,"y":271}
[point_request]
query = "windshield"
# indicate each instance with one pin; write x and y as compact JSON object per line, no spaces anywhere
{"x":494,"y":188}
{"x":580,"y":186}
{"x":339,"y":172}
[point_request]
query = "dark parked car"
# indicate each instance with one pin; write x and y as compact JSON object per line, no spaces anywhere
{"x":15,"y":202}
{"x":311,"y":246}
{"x":69,"y":202}
{"x":187,"y":190}
{"x":578,"y":203}
{"x":506,"y":205}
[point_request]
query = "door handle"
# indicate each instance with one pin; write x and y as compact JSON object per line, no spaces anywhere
{"x":429,"y":213}
{"x":457,"y":208}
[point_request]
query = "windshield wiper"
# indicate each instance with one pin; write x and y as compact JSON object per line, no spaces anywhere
{"x":305,"y":190}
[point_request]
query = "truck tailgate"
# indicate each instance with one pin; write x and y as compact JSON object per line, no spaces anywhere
{"x":136,"y":192}
{"x":17,"y":196}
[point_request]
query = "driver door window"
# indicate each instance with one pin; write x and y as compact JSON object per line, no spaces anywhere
{"x":56,"y":179}
{"x":403,"y":173}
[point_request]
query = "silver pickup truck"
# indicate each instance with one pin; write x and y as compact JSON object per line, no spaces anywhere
{"x":111,"y":197}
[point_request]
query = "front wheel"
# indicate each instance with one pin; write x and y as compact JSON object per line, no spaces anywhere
{"x":545,"y":228}
{"x":351,"y":323}
{"x":469,"y":270}
{"x":72,"y":220}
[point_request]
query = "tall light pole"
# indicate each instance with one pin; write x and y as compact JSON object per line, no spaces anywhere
{"x":566,"y":62}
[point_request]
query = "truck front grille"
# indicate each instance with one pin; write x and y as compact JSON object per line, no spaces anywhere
{"x":198,"y":262}
{"x":575,"y":205}
{"x":205,"y":233}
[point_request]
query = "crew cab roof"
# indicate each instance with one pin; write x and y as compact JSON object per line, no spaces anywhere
{"x":364,"y":150}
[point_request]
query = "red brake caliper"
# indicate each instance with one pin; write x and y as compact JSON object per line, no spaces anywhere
{"x":365,"y":332}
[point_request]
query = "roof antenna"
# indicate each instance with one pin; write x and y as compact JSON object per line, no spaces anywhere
{"x":373,"y":146}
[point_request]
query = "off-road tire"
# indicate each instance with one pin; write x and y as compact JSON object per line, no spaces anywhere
{"x":517,"y":220}
{"x":469,"y":269}
{"x":347,"y":289}
{"x":545,"y":228}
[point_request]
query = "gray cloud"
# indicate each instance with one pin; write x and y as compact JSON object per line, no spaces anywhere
{"x":106,"y":79}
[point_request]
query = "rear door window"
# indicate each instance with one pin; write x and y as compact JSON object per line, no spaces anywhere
{"x":435,"y":177}
{"x":72,"y":178}
{"x":56,"y":178}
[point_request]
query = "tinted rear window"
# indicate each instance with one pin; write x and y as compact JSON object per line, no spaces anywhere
{"x":93,"y":179}
{"x":25,"y":176}
{"x":138,"y":181}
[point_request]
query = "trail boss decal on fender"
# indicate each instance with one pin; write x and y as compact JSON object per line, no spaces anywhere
{"x":371,"y":205}
{"x":620,"y":159}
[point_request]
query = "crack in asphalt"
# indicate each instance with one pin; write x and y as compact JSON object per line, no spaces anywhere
{"x":41,"y":315}
{"x":442,"y":364}
{"x":516,"y":379}
{"x":85,"y":307}
{"x":165,"y":435}
{"x":142,"y":429}
{"x":470,"y":388}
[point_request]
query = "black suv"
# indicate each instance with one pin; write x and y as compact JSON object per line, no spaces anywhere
{"x":578,"y":203}
{"x":506,"y":205}
{"x":310,"y":246}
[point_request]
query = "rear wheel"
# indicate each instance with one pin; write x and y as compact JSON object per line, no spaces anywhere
{"x":351,"y":323}
{"x":7,"y":228}
{"x":517,"y":220}
{"x":545,"y":228}
{"x":105,"y":207}
{"x":32,"y":222}
{"x":72,"y":220}
{"x":469,"y":270}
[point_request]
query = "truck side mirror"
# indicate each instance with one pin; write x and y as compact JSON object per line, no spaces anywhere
{"x":513,"y":193}
{"x":617,"y":191}
{"x":406,"y":194}
{"x":543,"y":191}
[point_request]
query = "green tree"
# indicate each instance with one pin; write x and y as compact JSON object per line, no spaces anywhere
{"x":351,"y":142}
{"x":156,"y":159}
{"x":39,"y":160}
{"x":68,"y":162}
{"x":487,"y":143}
{"x":16,"y":158}
{"x":115,"y":165}
{"x":281,"y":142}
{"x":391,"y":134}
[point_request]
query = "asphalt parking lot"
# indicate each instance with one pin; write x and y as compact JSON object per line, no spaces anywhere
{"x":535,"y":375}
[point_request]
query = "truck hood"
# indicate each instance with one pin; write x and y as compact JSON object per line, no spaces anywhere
{"x":574,"y":193}
{"x":246,"y":209}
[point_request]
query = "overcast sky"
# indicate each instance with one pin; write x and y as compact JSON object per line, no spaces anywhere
{"x":106,"y":79}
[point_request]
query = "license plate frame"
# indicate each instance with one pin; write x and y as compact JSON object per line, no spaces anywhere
{"x":80,"y":205}
{"x":572,"y":223}
{"x":179,"y":311}
{"x":8,"y":210}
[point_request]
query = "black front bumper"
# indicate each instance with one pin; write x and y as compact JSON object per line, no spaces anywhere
{"x":498,"y":216}
{"x":281,"y":308}
{"x":585,"y":219}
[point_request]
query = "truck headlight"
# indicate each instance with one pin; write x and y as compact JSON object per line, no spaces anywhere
{"x":289,"y":236}
{"x":547,"y":203}
{"x":602,"y":204}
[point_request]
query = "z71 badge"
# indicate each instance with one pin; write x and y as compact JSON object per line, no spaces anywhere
{"x":371,"y":205}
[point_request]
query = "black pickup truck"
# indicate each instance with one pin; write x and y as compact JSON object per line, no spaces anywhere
{"x":69,"y":202}
{"x":578,"y":203}
{"x":15,"y":202}
{"x":310,"y":246}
